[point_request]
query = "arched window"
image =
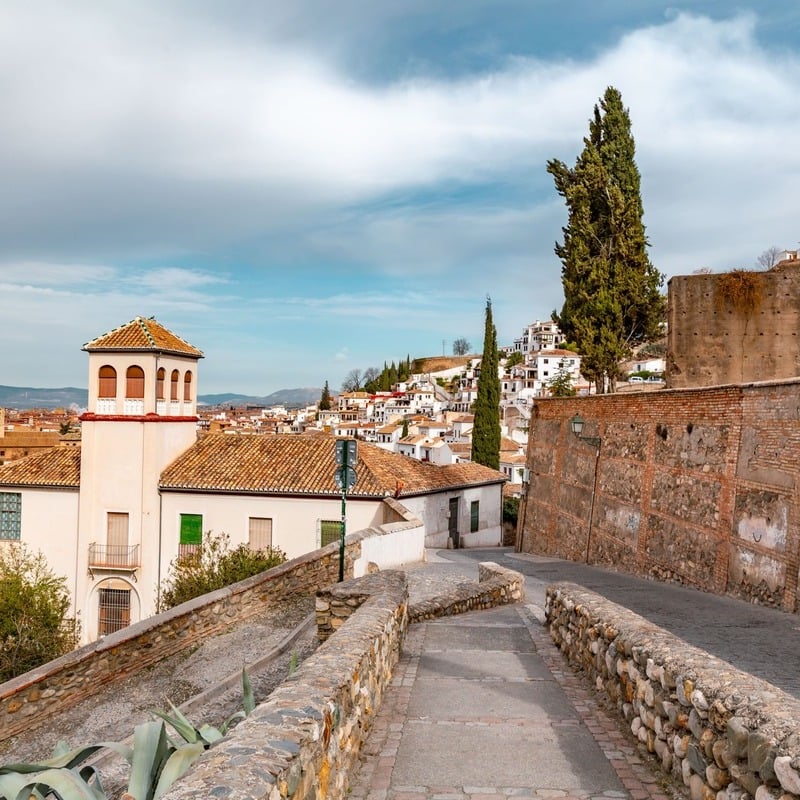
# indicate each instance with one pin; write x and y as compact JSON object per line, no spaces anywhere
{"x":134,"y":383}
{"x":173,"y":385}
{"x":107,"y":382}
{"x":187,"y":387}
{"x":160,"y":378}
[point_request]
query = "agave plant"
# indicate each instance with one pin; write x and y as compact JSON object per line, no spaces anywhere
{"x":209,"y":734}
{"x":156,"y":760}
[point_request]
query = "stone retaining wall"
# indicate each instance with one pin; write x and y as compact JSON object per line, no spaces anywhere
{"x":725,"y":733}
{"x":496,"y":586}
{"x":66,"y":681}
{"x":303,"y":742}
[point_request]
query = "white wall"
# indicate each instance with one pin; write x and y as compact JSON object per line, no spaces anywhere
{"x":294,"y":520}
{"x":433,"y":509}
{"x":399,"y":543}
{"x":50,"y":525}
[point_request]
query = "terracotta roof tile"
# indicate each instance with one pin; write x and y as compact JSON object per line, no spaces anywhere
{"x":143,"y":334}
{"x":60,"y":466}
{"x":304,"y":465}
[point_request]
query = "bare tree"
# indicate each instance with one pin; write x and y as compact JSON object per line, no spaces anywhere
{"x":770,"y":257}
{"x":370,"y":374}
{"x":461,"y":347}
{"x":352,"y":381}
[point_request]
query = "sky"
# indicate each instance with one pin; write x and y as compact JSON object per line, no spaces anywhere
{"x":305,"y":187}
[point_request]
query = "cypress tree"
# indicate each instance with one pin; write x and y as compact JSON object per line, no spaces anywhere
{"x":486,"y":428}
{"x":611,"y":289}
{"x":325,"y":399}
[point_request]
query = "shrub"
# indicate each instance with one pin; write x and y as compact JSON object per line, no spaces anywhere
{"x":34,"y":603}
{"x":212,"y":566}
{"x":510,"y":510}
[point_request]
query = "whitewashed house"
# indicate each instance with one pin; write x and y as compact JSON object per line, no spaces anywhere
{"x":112,"y":514}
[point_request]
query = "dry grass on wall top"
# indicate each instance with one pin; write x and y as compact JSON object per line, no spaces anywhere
{"x":740,"y":290}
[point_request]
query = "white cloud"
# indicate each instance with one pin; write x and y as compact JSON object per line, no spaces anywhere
{"x":143,"y":131}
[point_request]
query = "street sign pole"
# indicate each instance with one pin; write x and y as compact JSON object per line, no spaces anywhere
{"x":346,"y":456}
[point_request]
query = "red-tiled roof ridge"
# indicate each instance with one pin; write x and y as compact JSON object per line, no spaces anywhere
{"x":143,"y":334}
{"x":59,"y":467}
{"x":292,"y":464}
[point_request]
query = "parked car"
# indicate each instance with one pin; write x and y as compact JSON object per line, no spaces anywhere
{"x":636,"y":379}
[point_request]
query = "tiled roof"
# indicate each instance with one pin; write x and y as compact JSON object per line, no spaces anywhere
{"x":60,"y":466}
{"x":304,"y":465}
{"x":143,"y":334}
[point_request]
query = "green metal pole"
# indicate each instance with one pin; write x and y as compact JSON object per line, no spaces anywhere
{"x":344,"y":517}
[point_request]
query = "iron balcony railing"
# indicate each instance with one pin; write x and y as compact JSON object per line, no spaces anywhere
{"x":114,"y":556}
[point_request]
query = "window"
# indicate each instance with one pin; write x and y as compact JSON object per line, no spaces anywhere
{"x":474,"y":515}
{"x":10,"y":515}
{"x":114,"y":610}
{"x":260,"y":533}
{"x":134,"y":383}
{"x":191,"y":536}
{"x":117,"y":539}
{"x":330,"y":530}
{"x":107,"y":384}
{"x":187,"y":387}
{"x":160,"y":378}
{"x":173,"y":385}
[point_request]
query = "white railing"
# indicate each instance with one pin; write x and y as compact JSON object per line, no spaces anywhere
{"x":106,"y":405}
{"x":133,"y":407}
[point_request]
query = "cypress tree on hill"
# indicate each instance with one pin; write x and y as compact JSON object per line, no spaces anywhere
{"x":325,"y":399}
{"x":611,"y":289}
{"x":486,"y":428}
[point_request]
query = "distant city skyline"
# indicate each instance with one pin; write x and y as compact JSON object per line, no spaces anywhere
{"x":299,"y":192}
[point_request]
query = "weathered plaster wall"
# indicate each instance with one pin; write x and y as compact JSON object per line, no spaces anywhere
{"x":711,"y":342}
{"x":695,"y":486}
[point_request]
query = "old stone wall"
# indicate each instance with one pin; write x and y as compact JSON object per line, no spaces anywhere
{"x":695,"y":486}
{"x":734,"y":327}
{"x":73,"y":678}
{"x":724,"y":733}
{"x":305,"y":739}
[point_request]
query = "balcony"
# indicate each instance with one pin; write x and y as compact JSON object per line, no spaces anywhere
{"x":113,"y":557}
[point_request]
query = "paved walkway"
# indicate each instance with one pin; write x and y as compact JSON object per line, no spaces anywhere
{"x":482,"y":706}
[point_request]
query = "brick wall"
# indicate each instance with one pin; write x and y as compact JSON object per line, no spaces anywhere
{"x":695,"y":486}
{"x":711,"y":341}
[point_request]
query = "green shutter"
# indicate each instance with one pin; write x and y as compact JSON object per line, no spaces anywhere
{"x":191,"y":529}
{"x":473,"y":516}
{"x":330,"y":530}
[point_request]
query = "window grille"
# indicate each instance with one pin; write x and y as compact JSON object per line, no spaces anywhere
{"x":474,"y":516}
{"x":330,"y":530}
{"x":10,"y":515}
{"x":114,"y":610}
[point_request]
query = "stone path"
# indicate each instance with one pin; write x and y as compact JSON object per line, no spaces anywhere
{"x":482,"y":706}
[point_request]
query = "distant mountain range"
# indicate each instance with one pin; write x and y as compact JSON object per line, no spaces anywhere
{"x":22,"y":397}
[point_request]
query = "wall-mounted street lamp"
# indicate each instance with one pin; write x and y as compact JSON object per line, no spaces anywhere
{"x":577,"y":424}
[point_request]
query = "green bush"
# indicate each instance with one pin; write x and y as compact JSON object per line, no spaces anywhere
{"x":212,"y":566}
{"x":34,"y":605}
{"x":510,"y":510}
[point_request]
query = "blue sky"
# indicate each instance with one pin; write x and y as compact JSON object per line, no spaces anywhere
{"x":302,"y":188}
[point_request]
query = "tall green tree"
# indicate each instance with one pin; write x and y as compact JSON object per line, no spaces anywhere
{"x":612,"y":297}
{"x":486,"y":428}
{"x":325,"y":398}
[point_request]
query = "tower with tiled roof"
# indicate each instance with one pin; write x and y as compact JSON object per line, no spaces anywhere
{"x":142,"y":414}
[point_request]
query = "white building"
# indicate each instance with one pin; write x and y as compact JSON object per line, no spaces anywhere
{"x":111,"y":515}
